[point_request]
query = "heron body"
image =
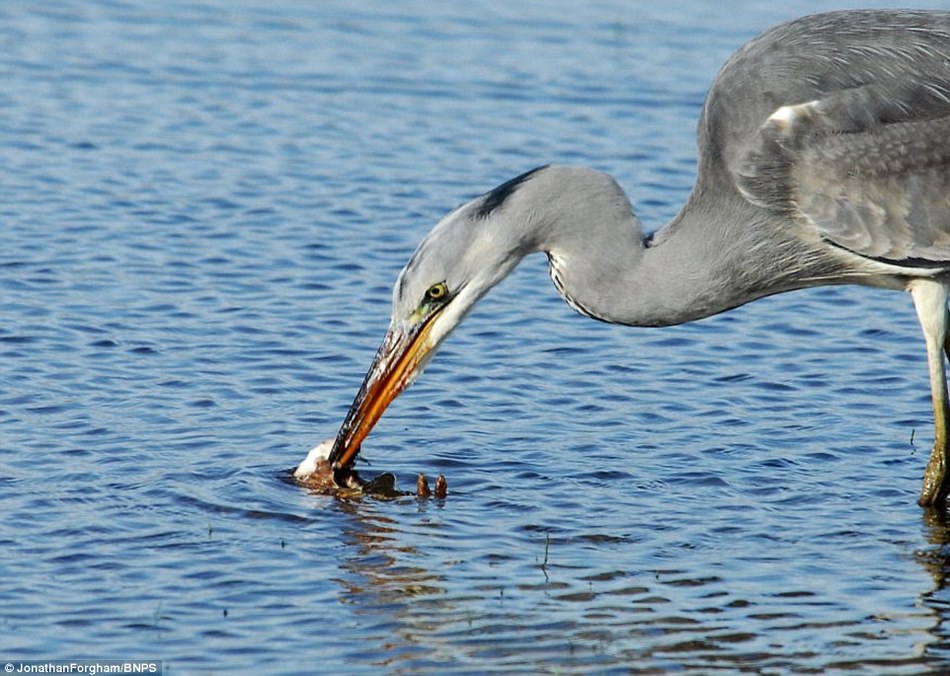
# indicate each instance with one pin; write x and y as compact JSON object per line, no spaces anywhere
{"x":824,"y":158}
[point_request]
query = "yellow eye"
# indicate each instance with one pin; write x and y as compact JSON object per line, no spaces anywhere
{"x":437,"y":292}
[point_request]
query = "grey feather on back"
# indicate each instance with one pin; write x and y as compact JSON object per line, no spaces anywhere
{"x":869,"y":167}
{"x":842,"y":126}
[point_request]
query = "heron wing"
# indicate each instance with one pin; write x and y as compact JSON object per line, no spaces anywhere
{"x":868,"y":167}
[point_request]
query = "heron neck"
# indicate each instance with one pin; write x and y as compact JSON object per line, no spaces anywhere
{"x":688,"y":270}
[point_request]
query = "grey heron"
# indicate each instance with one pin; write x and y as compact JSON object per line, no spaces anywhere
{"x":824,"y":158}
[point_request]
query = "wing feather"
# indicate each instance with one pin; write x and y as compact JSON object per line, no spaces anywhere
{"x":869,"y":167}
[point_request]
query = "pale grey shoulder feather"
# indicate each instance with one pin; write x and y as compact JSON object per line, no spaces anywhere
{"x":869,"y":167}
{"x":842,"y":121}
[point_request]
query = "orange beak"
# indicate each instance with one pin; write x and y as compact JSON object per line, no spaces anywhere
{"x":399,"y":359}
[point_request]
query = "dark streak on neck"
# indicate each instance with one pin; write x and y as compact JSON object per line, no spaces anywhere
{"x":495,"y":198}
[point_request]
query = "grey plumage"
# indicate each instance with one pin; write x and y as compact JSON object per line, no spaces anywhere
{"x":859,"y":144}
{"x":824,"y":158}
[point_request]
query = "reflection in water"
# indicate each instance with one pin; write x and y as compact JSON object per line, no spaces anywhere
{"x":384,"y":591}
{"x":936,"y":561}
{"x":419,"y":610}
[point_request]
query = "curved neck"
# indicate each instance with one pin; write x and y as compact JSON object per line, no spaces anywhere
{"x":637,"y":282}
{"x":694,"y":267}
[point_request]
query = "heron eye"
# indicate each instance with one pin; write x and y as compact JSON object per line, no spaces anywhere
{"x":437,"y":292}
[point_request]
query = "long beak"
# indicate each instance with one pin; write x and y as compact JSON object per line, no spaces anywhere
{"x":399,"y":359}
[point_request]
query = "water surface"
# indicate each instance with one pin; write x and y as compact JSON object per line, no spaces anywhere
{"x":202,"y":210}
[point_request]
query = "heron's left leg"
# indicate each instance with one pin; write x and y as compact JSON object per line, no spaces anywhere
{"x":946,"y":341}
{"x":930,"y":300}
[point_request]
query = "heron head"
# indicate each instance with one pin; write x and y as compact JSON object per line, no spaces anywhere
{"x":466,"y":254}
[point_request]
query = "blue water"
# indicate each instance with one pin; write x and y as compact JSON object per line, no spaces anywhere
{"x":202,"y":210}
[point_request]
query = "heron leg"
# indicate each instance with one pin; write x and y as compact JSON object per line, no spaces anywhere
{"x":946,"y":341}
{"x":930,"y":301}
